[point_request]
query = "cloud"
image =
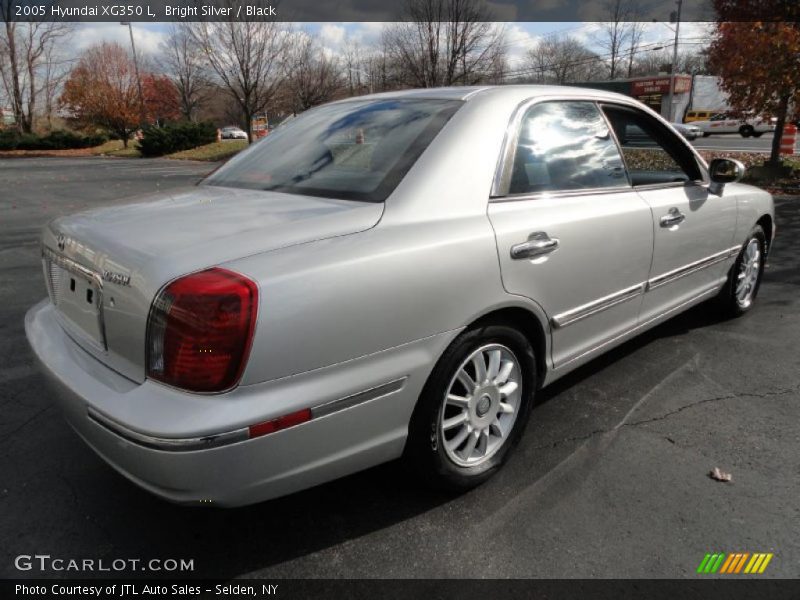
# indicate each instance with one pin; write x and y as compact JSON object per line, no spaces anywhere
{"x":518,"y":42}
{"x":332,"y":35}
{"x":147,"y":38}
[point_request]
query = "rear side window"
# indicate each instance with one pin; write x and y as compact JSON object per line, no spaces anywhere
{"x":653,"y":154}
{"x":565,"y":146}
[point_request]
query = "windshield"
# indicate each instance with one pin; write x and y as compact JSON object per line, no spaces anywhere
{"x":356,"y":150}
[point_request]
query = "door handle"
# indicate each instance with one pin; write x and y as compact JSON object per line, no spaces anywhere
{"x":538,"y":244}
{"x":673,"y":218}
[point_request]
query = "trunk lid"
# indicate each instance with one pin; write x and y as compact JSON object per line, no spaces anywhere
{"x":103,"y":267}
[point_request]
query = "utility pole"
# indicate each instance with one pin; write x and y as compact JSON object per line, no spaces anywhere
{"x":136,"y":70}
{"x":675,"y":17}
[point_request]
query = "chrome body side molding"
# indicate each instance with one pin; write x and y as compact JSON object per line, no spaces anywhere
{"x":583,"y":357}
{"x":595,"y":306}
{"x":365,"y":396}
{"x":169,"y":444}
{"x":693,"y":267}
{"x":586,"y":310}
{"x":237,"y":435}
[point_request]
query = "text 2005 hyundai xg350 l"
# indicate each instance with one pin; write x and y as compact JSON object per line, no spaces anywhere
{"x":392,"y":275}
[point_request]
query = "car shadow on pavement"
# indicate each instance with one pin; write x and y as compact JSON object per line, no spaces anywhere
{"x":700,"y":316}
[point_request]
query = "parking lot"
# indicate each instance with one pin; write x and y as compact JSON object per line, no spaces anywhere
{"x":734,"y":142}
{"x":610,"y":479}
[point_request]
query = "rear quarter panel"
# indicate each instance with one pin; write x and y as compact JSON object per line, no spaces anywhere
{"x":339,"y":299}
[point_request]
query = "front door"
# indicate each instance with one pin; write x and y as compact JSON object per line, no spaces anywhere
{"x":693,"y":229}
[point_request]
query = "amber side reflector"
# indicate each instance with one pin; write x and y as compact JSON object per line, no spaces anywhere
{"x":283,"y":422}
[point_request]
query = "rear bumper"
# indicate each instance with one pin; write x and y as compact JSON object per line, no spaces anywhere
{"x":147,"y":431}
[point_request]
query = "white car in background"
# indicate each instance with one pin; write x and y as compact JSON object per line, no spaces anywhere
{"x":746,"y":127}
{"x":233,"y":133}
{"x":688,"y":130}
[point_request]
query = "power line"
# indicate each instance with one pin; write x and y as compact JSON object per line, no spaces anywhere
{"x":650,"y":47}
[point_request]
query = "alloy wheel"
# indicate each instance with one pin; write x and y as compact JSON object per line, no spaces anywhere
{"x":749,"y":271}
{"x":481,"y":405}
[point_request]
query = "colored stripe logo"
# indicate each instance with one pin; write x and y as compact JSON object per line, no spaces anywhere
{"x":735,"y":563}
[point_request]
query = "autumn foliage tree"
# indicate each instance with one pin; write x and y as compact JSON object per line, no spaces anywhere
{"x":102,"y":91}
{"x":161,"y":100}
{"x":759,"y":63}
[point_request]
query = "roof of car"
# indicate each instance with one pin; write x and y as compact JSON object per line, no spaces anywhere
{"x":467,"y":92}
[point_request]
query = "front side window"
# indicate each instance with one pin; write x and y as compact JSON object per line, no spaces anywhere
{"x":565,"y":146}
{"x":653,"y":154}
{"x":357,"y":150}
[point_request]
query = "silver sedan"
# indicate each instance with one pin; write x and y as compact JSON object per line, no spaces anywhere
{"x":390,"y":276}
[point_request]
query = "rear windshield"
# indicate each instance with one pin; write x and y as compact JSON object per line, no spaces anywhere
{"x":357,"y":150}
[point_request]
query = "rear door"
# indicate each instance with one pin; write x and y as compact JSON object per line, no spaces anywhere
{"x":693,"y":229}
{"x":571,"y":233}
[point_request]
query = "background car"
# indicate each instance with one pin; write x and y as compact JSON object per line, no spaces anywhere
{"x":688,"y":130}
{"x":233,"y":133}
{"x":745,"y":126}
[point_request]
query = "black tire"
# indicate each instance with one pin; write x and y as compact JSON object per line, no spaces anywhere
{"x":746,"y":131}
{"x":425,"y":454}
{"x":706,"y":134}
{"x":727,"y":300}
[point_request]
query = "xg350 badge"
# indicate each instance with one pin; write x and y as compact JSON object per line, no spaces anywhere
{"x":118,"y":278}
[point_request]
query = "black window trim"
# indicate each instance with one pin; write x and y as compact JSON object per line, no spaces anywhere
{"x":704,"y":180}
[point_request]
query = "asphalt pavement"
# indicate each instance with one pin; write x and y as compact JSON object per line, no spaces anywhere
{"x":734,"y":143}
{"x":610,"y":479}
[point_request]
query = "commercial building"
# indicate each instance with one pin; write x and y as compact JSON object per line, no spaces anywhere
{"x":691,"y":92}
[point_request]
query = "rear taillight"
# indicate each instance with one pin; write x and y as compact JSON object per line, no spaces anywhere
{"x":200,"y":330}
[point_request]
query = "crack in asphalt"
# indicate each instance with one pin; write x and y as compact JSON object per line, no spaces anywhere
{"x":780,"y":392}
{"x":9,"y":436}
{"x":667,"y":415}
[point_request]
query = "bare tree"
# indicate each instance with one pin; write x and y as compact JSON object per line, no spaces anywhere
{"x":353,"y":63}
{"x":621,"y":35}
{"x":379,"y":71}
{"x":445,"y":42}
{"x":660,"y":61}
{"x":561,"y":60}
{"x":184,"y":62}
{"x":248,"y":58}
{"x":635,"y":34}
{"x":27,"y":48}
{"x":614,"y":33}
{"x":312,"y":76}
{"x":55,"y":70}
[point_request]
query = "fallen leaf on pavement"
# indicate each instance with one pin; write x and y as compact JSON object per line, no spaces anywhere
{"x":720,"y":475}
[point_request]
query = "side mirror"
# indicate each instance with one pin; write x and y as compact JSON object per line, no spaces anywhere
{"x":722,"y":171}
